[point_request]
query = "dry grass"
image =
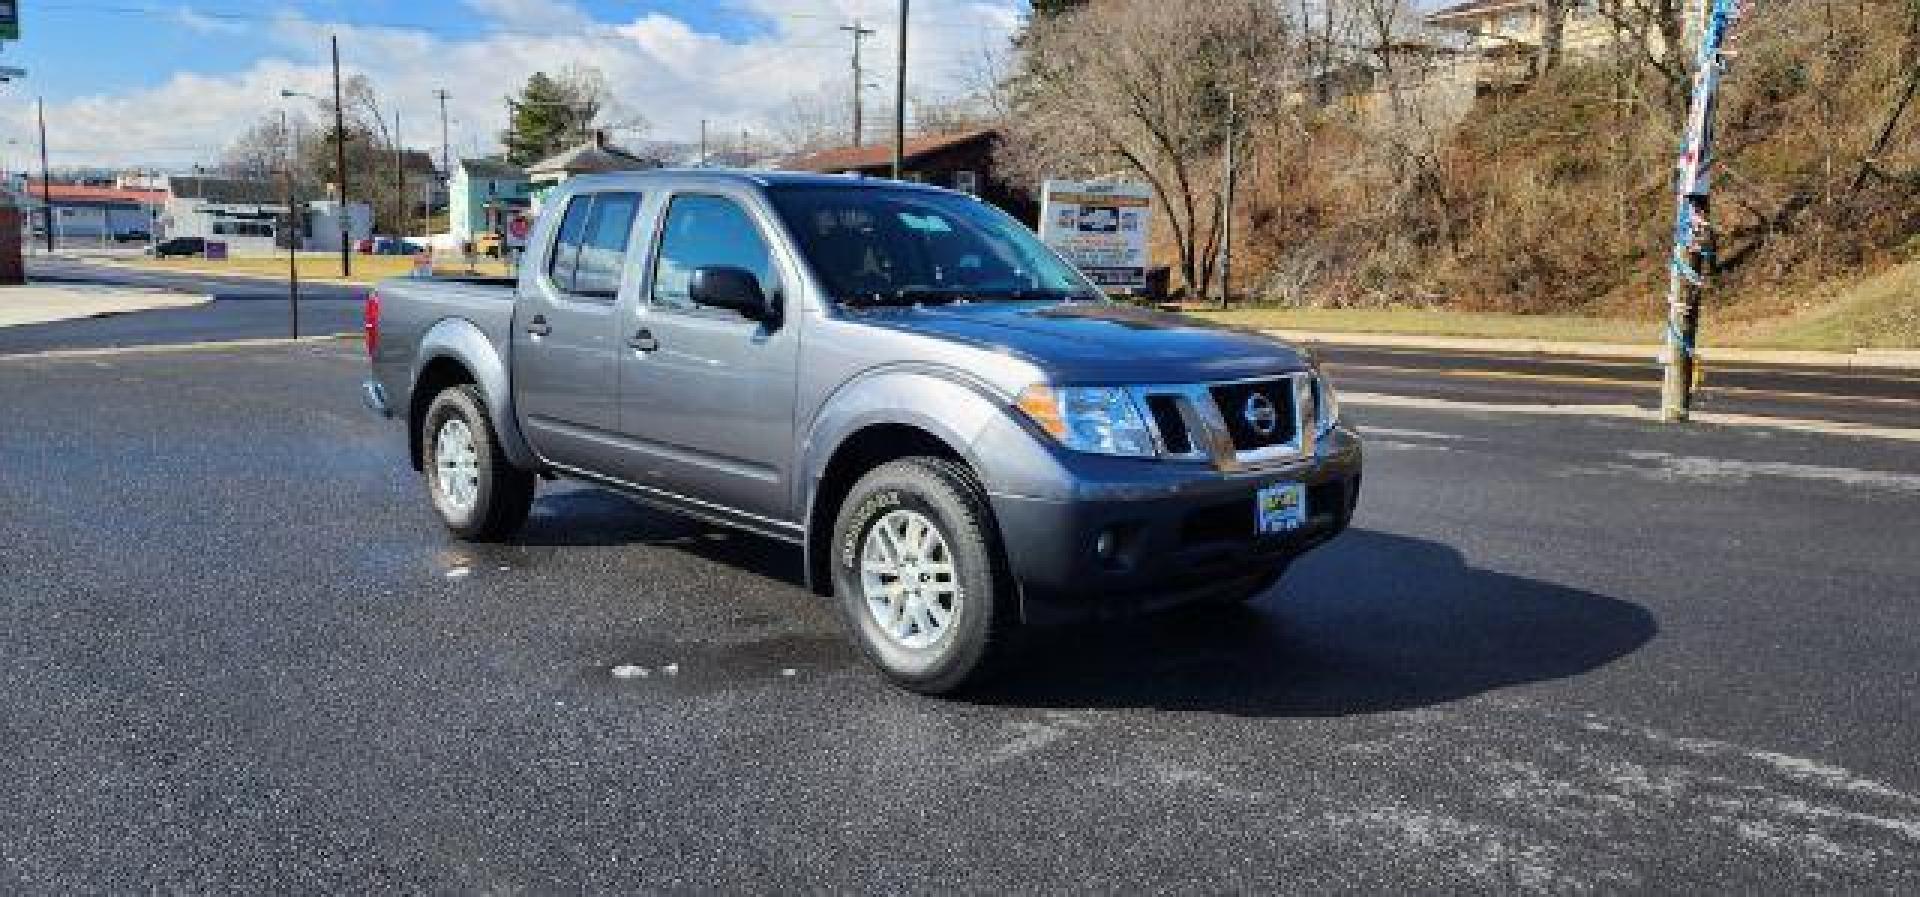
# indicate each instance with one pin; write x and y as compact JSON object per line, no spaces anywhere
{"x":318,"y":267}
{"x":1488,"y":325}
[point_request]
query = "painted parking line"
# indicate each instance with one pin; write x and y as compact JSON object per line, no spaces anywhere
{"x":166,"y":348}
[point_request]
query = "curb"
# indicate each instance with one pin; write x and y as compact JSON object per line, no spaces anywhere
{"x":175,"y":348}
{"x":1875,"y":359}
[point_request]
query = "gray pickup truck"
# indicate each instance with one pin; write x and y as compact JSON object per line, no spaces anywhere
{"x":957,"y":428}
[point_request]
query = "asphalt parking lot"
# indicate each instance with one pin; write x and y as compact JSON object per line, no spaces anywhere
{"x":1556,"y":653}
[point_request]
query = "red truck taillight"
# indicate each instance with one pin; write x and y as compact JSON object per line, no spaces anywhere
{"x":372,"y":323}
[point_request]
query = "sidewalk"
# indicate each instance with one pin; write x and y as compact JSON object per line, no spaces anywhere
{"x":39,"y":304}
{"x":1878,"y":359}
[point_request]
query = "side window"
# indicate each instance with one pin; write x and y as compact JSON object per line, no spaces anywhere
{"x":566,"y":244}
{"x":701,"y":231}
{"x":603,"y":248}
{"x":591,"y":246}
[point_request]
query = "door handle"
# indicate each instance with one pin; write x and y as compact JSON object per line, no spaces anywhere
{"x":644,"y":341}
{"x":539,"y":326}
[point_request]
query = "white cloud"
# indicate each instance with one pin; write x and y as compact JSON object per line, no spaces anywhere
{"x":202,"y":23}
{"x":656,"y":65}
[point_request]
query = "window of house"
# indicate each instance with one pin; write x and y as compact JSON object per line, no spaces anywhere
{"x":591,"y":248}
{"x":702,"y":231}
{"x":966,"y":182}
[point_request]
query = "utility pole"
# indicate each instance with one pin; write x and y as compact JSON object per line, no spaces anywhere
{"x":46,"y":174}
{"x":900,"y":96}
{"x":1226,"y":208}
{"x":446,"y":145}
{"x":404,"y":219}
{"x":340,"y":165}
{"x":703,"y":143}
{"x":859,"y":34}
{"x":289,"y":231}
{"x":1692,"y":259}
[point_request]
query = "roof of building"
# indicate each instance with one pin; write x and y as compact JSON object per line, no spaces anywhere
{"x":491,"y":167}
{"x":78,"y":194}
{"x":1473,"y":9}
{"x":227,"y":190}
{"x":880,"y":156}
{"x":419,"y":162}
{"x":592,"y":157}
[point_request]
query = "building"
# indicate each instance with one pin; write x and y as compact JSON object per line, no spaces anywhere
{"x":596,"y":156}
{"x":483,"y":195}
{"x":961,"y":161}
{"x":247,"y":216}
{"x":426,"y":187}
{"x":87,"y":213}
{"x":1502,"y":37}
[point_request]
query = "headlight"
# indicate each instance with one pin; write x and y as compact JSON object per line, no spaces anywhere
{"x":1326,"y":404}
{"x":1098,"y":419}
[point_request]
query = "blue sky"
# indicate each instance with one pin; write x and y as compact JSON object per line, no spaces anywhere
{"x":152,"y":82}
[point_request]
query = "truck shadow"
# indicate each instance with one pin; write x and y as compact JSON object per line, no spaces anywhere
{"x":1372,"y":622}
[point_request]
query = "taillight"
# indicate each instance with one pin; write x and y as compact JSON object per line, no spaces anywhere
{"x":372,"y":323}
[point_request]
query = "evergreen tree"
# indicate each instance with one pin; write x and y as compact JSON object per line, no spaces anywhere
{"x":552,"y":113}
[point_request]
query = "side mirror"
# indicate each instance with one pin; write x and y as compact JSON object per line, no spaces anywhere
{"x":725,"y":286}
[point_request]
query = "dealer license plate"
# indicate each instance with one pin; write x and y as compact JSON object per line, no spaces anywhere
{"x":1280,"y":508}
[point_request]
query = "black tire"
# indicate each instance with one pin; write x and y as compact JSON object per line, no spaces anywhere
{"x":947,"y":495}
{"x":505,"y":492}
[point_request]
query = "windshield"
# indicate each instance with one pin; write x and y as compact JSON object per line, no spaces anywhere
{"x":872,"y":246}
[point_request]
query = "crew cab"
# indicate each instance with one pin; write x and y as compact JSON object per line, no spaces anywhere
{"x":957,"y":428}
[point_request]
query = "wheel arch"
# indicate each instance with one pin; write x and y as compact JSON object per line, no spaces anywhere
{"x":455,"y":351}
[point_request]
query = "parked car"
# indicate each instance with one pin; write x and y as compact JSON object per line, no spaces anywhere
{"x":959,"y":431}
{"x":487,"y":244}
{"x":179,"y":246}
{"x":132,"y":236}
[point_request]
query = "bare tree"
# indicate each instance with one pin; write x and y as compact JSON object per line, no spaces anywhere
{"x":1139,"y":88}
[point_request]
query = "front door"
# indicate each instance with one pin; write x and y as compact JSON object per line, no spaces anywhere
{"x":706,"y":394}
{"x":565,"y":333}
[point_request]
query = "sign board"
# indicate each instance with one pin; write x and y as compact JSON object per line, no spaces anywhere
{"x":423,"y":264}
{"x":1100,"y":227}
{"x":518,"y":227}
{"x":9,"y":19}
{"x":216,"y":251}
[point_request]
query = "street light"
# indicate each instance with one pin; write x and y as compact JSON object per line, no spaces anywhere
{"x":339,"y":156}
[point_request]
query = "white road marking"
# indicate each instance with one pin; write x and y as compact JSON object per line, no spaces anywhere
{"x":1634,"y":412}
{"x":1698,"y":468}
{"x":166,"y":348}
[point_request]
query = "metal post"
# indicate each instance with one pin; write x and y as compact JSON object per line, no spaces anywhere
{"x":290,"y":232}
{"x":1226,"y":209}
{"x":703,"y":143}
{"x":340,"y":164}
{"x":900,"y":97}
{"x":1692,"y":256}
{"x":46,"y":174}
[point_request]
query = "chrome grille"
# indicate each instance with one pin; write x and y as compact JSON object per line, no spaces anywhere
{"x":1209,"y":421}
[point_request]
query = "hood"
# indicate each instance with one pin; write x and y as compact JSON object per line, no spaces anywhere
{"x":1088,"y":342}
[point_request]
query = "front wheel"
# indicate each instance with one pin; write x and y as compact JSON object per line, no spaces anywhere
{"x":478,"y":493}
{"x":918,"y":574}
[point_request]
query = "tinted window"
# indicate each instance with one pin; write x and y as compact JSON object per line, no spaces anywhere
{"x":702,"y":231}
{"x":591,"y":246}
{"x":603,"y":248}
{"x":870,"y":243}
{"x":566,"y":244}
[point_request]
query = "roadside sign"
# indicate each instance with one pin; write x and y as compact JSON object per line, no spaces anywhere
{"x":9,"y":20}
{"x":216,"y":251}
{"x":423,"y":264}
{"x":518,"y":227}
{"x":1100,"y":227}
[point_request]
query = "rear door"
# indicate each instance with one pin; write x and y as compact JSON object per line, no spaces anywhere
{"x":566,"y":335}
{"x":707,"y":396}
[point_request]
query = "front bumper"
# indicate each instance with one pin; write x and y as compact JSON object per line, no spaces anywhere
{"x":1180,"y":532}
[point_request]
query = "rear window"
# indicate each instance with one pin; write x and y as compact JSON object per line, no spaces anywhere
{"x":590,"y":249}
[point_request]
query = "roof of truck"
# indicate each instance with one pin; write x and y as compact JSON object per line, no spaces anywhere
{"x":757,"y":177}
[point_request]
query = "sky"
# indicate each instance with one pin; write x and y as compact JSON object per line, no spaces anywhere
{"x":150,"y":83}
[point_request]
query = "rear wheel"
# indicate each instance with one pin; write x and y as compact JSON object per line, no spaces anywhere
{"x":478,"y":493}
{"x":918,"y":574}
